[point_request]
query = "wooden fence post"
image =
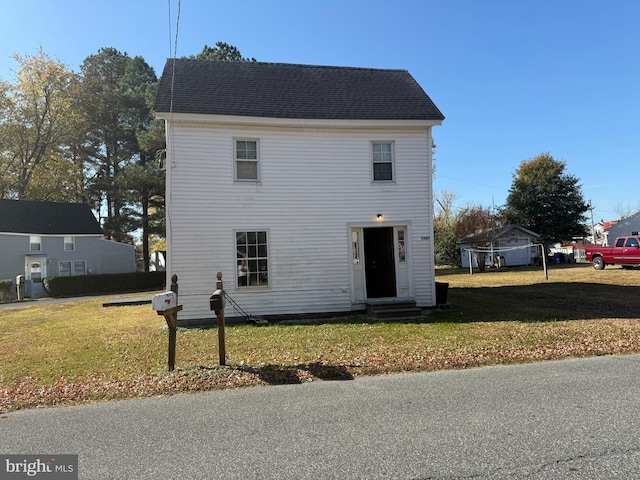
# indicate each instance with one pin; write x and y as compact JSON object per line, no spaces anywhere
{"x":220,"y":315}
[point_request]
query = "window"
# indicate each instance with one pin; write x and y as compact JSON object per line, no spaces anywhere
{"x":355,"y":245}
{"x":75,"y":268}
{"x":632,"y":242}
{"x":79,"y":267}
{"x":401,"y":252}
{"x":246,"y":156}
{"x":69,"y":244}
{"x":382,"y":162}
{"x":620,"y":242}
{"x":64,"y":269}
{"x":35,"y":243}
{"x":251,"y":258}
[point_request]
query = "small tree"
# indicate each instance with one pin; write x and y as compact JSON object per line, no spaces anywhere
{"x":483,"y":225}
{"x":546,"y":200}
{"x":34,"y":128}
{"x":447,"y":250}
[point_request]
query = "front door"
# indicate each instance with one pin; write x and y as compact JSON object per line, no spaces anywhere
{"x":35,"y":271}
{"x":380,"y":272}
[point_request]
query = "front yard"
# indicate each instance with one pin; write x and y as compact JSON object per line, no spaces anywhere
{"x":80,"y":352}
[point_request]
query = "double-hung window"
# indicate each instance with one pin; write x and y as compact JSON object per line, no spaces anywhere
{"x":382,"y":161}
{"x":252,"y":259}
{"x":35,"y":243}
{"x":69,"y":244}
{"x":246,"y":160}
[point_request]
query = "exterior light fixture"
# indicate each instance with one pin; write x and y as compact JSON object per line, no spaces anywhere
{"x":379,"y":217}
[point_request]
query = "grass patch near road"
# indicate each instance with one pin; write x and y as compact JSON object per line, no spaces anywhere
{"x":80,"y":352}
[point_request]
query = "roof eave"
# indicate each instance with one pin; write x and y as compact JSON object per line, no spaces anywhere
{"x":175,"y":117}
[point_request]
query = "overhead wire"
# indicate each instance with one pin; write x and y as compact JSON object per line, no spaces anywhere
{"x":168,"y":125}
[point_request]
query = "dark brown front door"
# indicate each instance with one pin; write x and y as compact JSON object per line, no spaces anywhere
{"x":380,"y":272}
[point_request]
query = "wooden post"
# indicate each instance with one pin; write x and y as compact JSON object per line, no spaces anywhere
{"x":220,"y":315}
{"x":544,"y":261}
{"x":171,"y":317}
{"x":172,"y":322}
{"x":174,"y":285}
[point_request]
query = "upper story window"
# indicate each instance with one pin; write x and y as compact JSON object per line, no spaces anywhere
{"x":252,"y":259}
{"x":35,"y":243}
{"x":69,"y":244}
{"x":246,"y":160}
{"x":382,"y":161}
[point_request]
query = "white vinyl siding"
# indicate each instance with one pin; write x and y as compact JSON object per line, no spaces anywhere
{"x":314,"y":184}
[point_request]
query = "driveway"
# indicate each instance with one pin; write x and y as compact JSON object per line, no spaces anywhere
{"x":573,"y":419}
{"x":32,"y":302}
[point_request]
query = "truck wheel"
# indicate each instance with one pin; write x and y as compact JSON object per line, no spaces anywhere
{"x":598,"y":263}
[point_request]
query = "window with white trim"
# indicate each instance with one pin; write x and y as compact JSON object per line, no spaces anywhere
{"x":401,"y":246}
{"x":246,"y":160}
{"x":382,"y":161}
{"x":64,"y":269}
{"x":251,"y":258}
{"x":35,"y":243}
{"x":69,"y":244}
{"x":70,"y":268}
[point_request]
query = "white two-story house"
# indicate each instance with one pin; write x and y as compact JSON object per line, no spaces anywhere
{"x":308,"y":187}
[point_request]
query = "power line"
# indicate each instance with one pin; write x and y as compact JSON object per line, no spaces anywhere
{"x":473,"y":183}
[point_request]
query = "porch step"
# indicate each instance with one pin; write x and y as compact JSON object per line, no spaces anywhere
{"x":393,"y":309}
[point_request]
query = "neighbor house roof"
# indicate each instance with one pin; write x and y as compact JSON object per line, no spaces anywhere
{"x":47,"y":218}
{"x":495,"y":233}
{"x":278,"y":90}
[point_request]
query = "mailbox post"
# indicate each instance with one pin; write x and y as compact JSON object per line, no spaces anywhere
{"x":20,"y":283}
{"x":167,"y":304}
{"x":217,"y":303}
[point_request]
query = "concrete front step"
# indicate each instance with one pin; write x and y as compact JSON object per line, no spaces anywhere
{"x":393,"y":309}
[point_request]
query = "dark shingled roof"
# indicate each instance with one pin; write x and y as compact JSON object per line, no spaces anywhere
{"x":47,"y":218}
{"x":279,"y":90}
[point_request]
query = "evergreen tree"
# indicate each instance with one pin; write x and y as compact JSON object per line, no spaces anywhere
{"x":547,"y":200}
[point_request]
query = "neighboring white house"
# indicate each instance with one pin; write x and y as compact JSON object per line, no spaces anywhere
{"x":308,"y":187}
{"x":514,"y":244}
{"x":54,"y":239}
{"x":625,"y":227}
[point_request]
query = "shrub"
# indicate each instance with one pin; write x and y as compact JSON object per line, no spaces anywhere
{"x":6,"y":290}
{"x":103,"y":284}
{"x":447,"y":249}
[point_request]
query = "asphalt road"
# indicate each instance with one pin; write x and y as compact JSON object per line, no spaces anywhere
{"x":574,"y":419}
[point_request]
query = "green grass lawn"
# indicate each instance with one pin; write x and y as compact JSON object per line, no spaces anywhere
{"x":81,"y":352}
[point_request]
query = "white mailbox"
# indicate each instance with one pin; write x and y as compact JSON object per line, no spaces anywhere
{"x":164,"y":301}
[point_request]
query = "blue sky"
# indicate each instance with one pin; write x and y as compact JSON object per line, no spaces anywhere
{"x":513,"y":78}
